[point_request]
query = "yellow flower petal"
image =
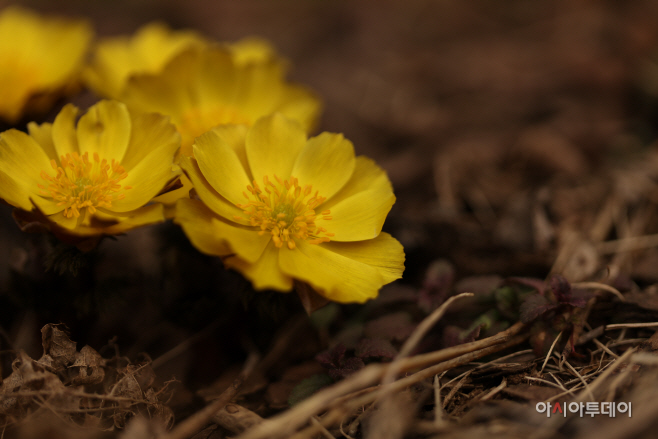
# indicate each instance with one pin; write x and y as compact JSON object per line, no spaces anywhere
{"x":215,"y":77}
{"x":147,"y":178}
{"x":146,"y":215}
{"x":64,"y":135}
{"x":221,"y":166}
{"x":22,"y":158}
{"x":234,"y":136}
{"x":215,"y":237}
{"x":62,"y":221}
{"x":47,"y":206}
{"x":252,"y":50}
{"x":367,"y":175}
{"x":40,"y":59}
{"x":384,"y":253}
{"x":150,"y":131}
{"x":259,"y":89}
{"x":220,"y":205}
{"x":326,"y":162}
{"x":167,"y":93}
{"x":117,"y":58}
{"x":169,"y":198}
{"x":43,"y":134}
{"x":105,"y":129}
{"x":301,"y":104}
{"x":265,"y":272}
{"x":13,"y":193}
{"x":334,"y":276}
{"x":273,"y":144}
{"x":359,"y":209}
{"x":108,"y":223}
{"x":359,"y":217}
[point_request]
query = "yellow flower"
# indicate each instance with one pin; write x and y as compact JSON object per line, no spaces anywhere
{"x":40,"y":59}
{"x":93,"y":179}
{"x":203,"y":87}
{"x":115,"y":59}
{"x":280,"y":207}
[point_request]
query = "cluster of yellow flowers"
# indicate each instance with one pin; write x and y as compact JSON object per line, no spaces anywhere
{"x":209,"y":134}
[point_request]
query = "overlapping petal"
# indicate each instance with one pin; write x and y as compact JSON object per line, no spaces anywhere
{"x":265,"y":272}
{"x":105,"y":130}
{"x":213,"y":199}
{"x":221,"y":166}
{"x":212,"y":235}
{"x":273,"y":144}
{"x":22,"y":158}
{"x":65,"y":137}
{"x":327,"y":162}
{"x":333,"y":275}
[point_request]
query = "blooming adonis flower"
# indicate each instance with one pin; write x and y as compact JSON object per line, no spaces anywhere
{"x":203,"y":87}
{"x":40,"y":60}
{"x":115,"y":59}
{"x":279,"y":207}
{"x":95,"y":178}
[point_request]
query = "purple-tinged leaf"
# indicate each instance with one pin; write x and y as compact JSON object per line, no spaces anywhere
{"x":534,"y":306}
{"x":348,"y":367}
{"x":375,"y":348}
{"x":437,"y":283}
{"x":561,"y":288}
{"x":453,"y":335}
{"x":333,"y":357}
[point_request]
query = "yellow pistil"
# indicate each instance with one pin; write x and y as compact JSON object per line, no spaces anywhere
{"x":285,"y":210}
{"x":81,"y":183}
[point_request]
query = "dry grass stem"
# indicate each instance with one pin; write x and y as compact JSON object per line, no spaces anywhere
{"x":599,"y":286}
{"x":420,"y":331}
{"x":630,"y":325}
{"x":628,"y":244}
{"x":548,"y":355}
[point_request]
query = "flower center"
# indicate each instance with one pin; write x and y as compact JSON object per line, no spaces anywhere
{"x":285,"y":210}
{"x":197,"y":121}
{"x":82,"y":183}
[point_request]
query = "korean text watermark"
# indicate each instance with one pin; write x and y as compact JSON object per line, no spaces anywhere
{"x":584,"y":408}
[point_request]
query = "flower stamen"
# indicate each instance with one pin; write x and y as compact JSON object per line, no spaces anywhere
{"x":81,"y":183}
{"x":286,"y":211}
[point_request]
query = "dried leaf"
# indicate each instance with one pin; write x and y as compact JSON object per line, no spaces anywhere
{"x":87,"y":367}
{"x":58,"y":346}
{"x":311,"y":300}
